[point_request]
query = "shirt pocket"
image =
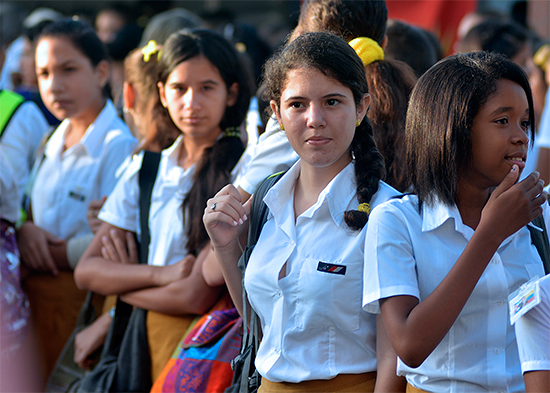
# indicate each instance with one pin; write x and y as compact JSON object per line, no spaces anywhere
{"x":329,"y":294}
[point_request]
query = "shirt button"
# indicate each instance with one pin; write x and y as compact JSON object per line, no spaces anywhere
{"x":496,"y":261}
{"x":292,"y":242}
{"x":501,"y":302}
{"x":278,"y":293}
{"x":496,"y":351}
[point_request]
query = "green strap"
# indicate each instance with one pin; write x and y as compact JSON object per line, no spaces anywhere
{"x":9,"y":102}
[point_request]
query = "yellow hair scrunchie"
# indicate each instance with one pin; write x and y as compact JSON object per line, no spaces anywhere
{"x":364,"y":208}
{"x":367,"y":49}
{"x":150,"y":49}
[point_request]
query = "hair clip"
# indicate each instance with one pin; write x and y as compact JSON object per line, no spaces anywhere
{"x":150,"y":49}
{"x":367,"y":49}
{"x":542,"y":57}
{"x":232,"y":132}
{"x":364,"y":208}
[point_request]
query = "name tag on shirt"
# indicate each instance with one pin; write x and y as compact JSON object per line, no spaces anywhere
{"x":77,"y":196}
{"x":331,"y":268}
{"x":524,"y":299}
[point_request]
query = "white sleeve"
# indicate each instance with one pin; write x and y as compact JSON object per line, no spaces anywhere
{"x":543,"y":134}
{"x":533,"y":332}
{"x":20,"y":140}
{"x":272,"y":154}
{"x":9,"y":198}
{"x":121,"y":208}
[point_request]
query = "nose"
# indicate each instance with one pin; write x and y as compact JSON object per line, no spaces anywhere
{"x":521,"y":135}
{"x":315,"y":116}
{"x":56,"y":83}
{"x":190,"y":99}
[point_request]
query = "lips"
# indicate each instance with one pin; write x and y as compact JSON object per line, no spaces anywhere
{"x":318,"y":140}
{"x":517,"y":158}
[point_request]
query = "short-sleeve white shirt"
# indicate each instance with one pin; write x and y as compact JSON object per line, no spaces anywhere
{"x":312,"y":321}
{"x":533,"y":332}
{"x":68,"y":180}
{"x":272,"y":154}
{"x":9,"y":199}
{"x":166,"y":220}
{"x":411,"y":253}
{"x":20,"y":140}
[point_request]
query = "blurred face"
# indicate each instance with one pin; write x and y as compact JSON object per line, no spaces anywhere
{"x":107,"y":25}
{"x":196,"y":97}
{"x":500,"y":136}
{"x":69,"y":85}
{"x":319,"y":116}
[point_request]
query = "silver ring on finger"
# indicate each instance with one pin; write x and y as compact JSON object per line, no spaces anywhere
{"x":213,"y":207}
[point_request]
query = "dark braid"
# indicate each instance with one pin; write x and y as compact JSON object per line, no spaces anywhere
{"x":369,"y":170}
{"x":214,"y":171}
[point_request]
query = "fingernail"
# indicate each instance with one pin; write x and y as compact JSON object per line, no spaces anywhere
{"x":235,"y":223}
{"x":104,"y":238}
{"x":245,"y":217}
{"x":241,"y":221}
{"x":514,"y":167}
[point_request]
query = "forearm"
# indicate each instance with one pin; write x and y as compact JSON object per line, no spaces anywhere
{"x":417,"y":328}
{"x":229,"y":257}
{"x":387,"y":379}
{"x":112,"y":278}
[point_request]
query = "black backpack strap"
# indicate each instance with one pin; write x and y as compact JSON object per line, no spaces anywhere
{"x":147,"y":177}
{"x":540,"y":240}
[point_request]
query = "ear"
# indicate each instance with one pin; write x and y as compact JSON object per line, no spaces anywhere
{"x":276,"y":111}
{"x":103,"y":72}
{"x":128,"y":95}
{"x":384,"y":42}
{"x":162,"y":94}
{"x":363,"y":106}
{"x":232,"y":94}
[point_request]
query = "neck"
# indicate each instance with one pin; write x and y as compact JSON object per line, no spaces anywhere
{"x":470,"y":202}
{"x":80,"y":123}
{"x":310,"y":183}
{"x":192,"y":149}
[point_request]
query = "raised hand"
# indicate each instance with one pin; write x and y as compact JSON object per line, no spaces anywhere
{"x":512,"y":206}
{"x":225,"y":216}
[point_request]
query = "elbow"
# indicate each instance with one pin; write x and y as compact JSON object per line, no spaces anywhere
{"x":412,"y":355}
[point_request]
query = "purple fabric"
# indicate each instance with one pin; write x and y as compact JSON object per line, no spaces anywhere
{"x":14,"y":305}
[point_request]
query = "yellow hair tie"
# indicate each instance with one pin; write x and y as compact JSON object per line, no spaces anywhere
{"x":542,"y":57}
{"x":364,"y":208}
{"x":149,"y":50}
{"x":367,"y":49}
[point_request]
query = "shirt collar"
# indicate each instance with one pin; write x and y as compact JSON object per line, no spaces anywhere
{"x":92,"y":140}
{"x":435,"y":215}
{"x":338,"y":193}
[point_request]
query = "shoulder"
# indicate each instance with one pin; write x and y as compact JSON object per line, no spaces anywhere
{"x":403,"y":208}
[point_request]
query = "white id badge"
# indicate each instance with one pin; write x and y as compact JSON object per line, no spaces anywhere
{"x":524,"y":299}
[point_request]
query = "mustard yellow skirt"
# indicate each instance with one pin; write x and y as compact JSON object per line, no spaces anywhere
{"x":341,"y":383}
{"x":412,"y":389}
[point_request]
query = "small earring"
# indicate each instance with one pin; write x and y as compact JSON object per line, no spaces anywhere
{"x":126,"y":110}
{"x":353,"y":155}
{"x":282,"y":127}
{"x":357,"y":122}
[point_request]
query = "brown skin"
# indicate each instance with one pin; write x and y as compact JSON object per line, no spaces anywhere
{"x":537,"y":381}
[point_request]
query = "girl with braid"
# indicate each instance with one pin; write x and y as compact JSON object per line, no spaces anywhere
{"x":304,"y":277}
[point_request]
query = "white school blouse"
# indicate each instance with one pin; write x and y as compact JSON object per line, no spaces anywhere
{"x":533,"y":332}
{"x":68,"y":180}
{"x":411,"y":253}
{"x":312,"y":321}
{"x":166,"y":220}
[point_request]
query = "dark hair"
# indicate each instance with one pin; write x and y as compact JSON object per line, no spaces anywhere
{"x":82,"y":35}
{"x":84,"y":38}
{"x":332,"y":56}
{"x":497,"y":35}
{"x":213,"y":170}
{"x":347,"y":18}
{"x":390,"y":85}
{"x":442,"y":108}
{"x":142,"y":75}
{"x":411,"y":45}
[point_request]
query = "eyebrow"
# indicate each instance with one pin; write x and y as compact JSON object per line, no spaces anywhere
{"x":505,"y":109}
{"x":325,"y":96}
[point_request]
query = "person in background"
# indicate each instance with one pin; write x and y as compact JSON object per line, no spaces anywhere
{"x":411,"y":45}
{"x":32,"y":27}
{"x":204,"y":88}
{"x":164,"y":24}
{"x":78,"y":165}
{"x":446,"y":257}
